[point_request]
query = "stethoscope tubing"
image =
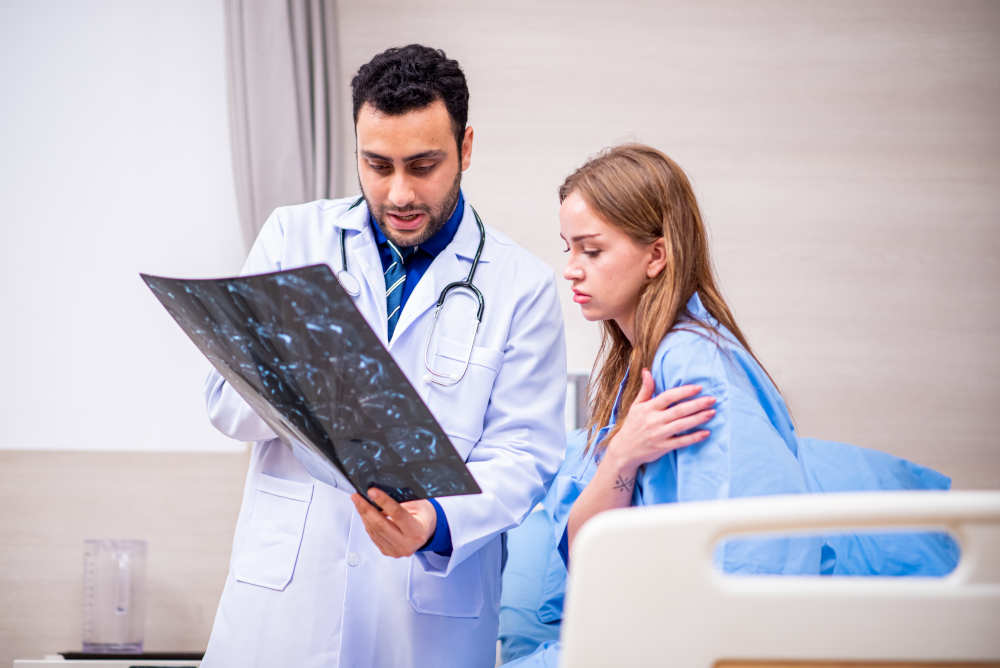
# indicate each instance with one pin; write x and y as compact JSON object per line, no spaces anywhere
{"x":353,"y":287}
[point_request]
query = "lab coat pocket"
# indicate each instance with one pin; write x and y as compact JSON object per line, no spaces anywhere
{"x":461,"y":408}
{"x":460,"y":594}
{"x":274,"y":533}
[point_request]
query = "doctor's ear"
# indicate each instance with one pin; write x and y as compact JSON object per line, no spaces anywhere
{"x":657,"y":259}
{"x":467,"y":149}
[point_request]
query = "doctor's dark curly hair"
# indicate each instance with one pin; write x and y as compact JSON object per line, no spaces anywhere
{"x":402,"y":79}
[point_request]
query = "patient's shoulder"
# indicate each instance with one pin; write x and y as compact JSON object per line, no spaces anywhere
{"x":689,"y":353}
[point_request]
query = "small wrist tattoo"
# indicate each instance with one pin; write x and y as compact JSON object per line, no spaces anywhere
{"x":625,"y":484}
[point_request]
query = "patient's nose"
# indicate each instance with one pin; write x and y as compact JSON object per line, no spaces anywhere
{"x":571,"y":272}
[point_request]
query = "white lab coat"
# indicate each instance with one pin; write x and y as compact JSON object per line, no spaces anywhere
{"x":306,"y":585}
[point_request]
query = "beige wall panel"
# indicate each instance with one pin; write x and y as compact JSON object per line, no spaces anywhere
{"x":847,"y":156}
{"x":184,"y":505}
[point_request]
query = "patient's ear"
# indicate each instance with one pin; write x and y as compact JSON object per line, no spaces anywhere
{"x":657,"y":258}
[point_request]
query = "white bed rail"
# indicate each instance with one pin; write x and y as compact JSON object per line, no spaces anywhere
{"x":644,"y":591}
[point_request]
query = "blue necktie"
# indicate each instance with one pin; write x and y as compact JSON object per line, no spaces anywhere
{"x":395,"y":279}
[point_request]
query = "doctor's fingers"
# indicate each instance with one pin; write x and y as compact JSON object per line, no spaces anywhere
{"x":374,"y":521}
{"x":401,"y":534}
{"x":384,"y":534}
{"x":673,"y":395}
{"x":397,"y":512}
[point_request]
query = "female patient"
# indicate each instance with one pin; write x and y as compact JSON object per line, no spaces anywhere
{"x":639,"y":262}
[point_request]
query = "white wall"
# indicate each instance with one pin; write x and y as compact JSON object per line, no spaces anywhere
{"x":114,"y":159}
{"x":846,"y":154}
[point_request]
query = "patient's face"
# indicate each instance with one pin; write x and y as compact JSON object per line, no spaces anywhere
{"x":606,"y":266}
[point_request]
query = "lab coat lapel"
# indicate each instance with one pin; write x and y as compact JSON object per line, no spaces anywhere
{"x":446,"y":269}
{"x":362,"y":250}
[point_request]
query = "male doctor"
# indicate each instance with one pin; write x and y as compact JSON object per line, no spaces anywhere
{"x":318,"y":577}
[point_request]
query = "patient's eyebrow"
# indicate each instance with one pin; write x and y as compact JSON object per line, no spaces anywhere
{"x":581,"y":237}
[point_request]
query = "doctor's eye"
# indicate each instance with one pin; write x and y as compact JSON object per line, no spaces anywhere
{"x":423,"y":167}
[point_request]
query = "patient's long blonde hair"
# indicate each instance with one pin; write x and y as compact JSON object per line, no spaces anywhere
{"x":645,"y":194}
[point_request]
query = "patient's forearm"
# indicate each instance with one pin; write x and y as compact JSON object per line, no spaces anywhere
{"x":611,"y":487}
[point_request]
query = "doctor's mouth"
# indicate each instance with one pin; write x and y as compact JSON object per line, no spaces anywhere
{"x":407,"y":221}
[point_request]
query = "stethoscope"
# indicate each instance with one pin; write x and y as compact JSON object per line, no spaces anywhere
{"x":352,"y":286}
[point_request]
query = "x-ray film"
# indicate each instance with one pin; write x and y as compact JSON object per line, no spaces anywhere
{"x":296,"y":348}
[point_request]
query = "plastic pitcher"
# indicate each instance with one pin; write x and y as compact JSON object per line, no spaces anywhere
{"x":114,"y":595}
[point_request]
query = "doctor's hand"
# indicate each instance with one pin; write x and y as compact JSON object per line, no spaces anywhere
{"x":401,"y":529}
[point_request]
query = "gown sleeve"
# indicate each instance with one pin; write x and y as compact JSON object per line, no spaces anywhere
{"x":751,"y":450}
{"x":841,"y":467}
{"x":569,"y":483}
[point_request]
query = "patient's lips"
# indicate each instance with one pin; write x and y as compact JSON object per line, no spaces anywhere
{"x":580,"y":297}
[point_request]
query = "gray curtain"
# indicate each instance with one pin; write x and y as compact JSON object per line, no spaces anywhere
{"x":283,"y":104}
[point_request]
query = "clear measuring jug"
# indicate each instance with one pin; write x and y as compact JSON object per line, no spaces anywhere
{"x":114,"y":595}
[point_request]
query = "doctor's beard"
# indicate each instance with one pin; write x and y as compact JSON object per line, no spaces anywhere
{"x":437,"y":217}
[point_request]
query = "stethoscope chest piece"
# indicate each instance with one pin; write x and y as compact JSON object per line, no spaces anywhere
{"x":349,"y":283}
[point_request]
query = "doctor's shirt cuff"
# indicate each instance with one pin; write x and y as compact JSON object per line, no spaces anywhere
{"x":440,"y":542}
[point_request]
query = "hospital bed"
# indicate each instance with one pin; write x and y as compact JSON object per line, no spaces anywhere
{"x":644,"y":590}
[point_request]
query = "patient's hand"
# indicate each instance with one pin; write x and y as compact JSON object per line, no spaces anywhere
{"x":653,"y":424}
{"x":653,"y":427}
{"x":401,"y":529}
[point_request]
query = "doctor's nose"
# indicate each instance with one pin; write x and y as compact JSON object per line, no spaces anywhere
{"x":400,"y":192}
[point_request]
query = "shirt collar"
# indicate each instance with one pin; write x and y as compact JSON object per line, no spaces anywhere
{"x":441,"y":238}
{"x":696,"y":308}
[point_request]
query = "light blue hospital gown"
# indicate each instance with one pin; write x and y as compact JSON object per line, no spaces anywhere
{"x":753,"y":450}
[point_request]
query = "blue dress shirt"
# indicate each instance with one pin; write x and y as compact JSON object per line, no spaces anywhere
{"x":416,"y":266}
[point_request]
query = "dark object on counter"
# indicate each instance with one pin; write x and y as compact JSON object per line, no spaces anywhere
{"x":152,"y":656}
